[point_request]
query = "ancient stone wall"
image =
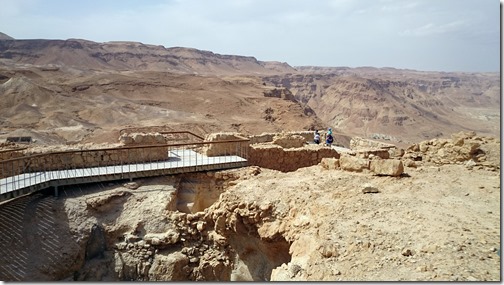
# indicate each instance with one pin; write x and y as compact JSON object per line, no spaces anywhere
{"x":357,"y":143}
{"x":463,"y":147}
{"x":9,"y":154}
{"x":142,"y":139}
{"x":81,"y":159}
{"x":232,"y":148}
{"x":285,"y":160}
{"x":269,"y":137}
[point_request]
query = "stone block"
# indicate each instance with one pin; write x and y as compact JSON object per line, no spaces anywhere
{"x":390,"y":167}
{"x":330,"y":163}
{"x":352,"y":163}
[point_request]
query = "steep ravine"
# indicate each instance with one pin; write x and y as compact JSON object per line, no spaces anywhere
{"x":155,"y":229}
{"x":396,"y":106}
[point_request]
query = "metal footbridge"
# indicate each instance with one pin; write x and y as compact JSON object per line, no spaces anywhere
{"x":26,"y":174}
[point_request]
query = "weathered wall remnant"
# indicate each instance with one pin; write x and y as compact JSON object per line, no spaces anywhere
{"x":285,"y":160}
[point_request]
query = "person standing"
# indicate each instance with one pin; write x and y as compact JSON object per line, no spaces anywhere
{"x":329,"y":131}
{"x":316,"y":137}
{"x":329,"y":139}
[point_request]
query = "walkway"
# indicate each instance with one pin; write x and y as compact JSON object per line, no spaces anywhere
{"x":178,"y":161}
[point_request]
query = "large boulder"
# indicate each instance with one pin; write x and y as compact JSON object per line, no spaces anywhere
{"x":353,"y":163}
{"x":330,"y":163}
{"x":392,"y":167}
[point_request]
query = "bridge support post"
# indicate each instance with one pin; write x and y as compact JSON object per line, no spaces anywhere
{"x":56,"y":191}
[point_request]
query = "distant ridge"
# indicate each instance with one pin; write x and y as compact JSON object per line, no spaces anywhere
{"x":5,"y":37}
{"x":86,"y":55}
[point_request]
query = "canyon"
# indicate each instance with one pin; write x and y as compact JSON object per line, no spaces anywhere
{"x":410,"y":191}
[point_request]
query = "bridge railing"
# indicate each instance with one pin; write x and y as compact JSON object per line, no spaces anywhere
{"x":65,"y":164}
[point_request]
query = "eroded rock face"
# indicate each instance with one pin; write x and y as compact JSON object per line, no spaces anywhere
{"x":169,"y":267}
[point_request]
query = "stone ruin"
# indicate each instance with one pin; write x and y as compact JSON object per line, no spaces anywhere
{"x":142,"y":139}
{"x":462,"y":148}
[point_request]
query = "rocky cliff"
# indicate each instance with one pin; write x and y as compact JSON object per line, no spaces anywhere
{"x":396,"y":104}
{"x":83,"y":54}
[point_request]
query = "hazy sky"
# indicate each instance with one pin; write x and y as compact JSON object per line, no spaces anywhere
{"x":437,"y":35}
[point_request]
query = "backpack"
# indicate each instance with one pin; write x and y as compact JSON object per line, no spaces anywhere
{"x":329,"y":139}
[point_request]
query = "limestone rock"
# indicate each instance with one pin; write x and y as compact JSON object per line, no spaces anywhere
{"x":329,"y":249}
{"x":329,"y":163}
{"x":410,"y":163}
{"x":166,"y":238}
{"x":391,"y":167}
{"x":370,"y":189}
{"x":169,"y":267}
{"x":407,"y":252}
{"x":352,"y":163}
{"x":131,"y":185}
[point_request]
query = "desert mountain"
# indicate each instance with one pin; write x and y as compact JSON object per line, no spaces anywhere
{"x":393,"y":104}
{"x":99,"y":88}
{"x":83,"y":54}
{"x":5,"y":37}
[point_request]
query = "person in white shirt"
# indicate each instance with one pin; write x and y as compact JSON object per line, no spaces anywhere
{"x":316,"y":137}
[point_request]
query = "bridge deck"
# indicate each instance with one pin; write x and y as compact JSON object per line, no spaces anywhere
{"x":178,"y":161}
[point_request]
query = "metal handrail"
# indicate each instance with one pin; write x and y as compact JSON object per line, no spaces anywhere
{"x":13,"y":149}
{"x":18,"y":177}
{"x":124,"y":148}
{"x":20,"y":165}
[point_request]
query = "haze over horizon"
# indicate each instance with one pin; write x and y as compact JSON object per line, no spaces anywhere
{"x":429,"y":35}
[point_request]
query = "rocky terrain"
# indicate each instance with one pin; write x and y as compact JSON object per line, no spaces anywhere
{"x":439,"y":220}
{"x":420,"y":202}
